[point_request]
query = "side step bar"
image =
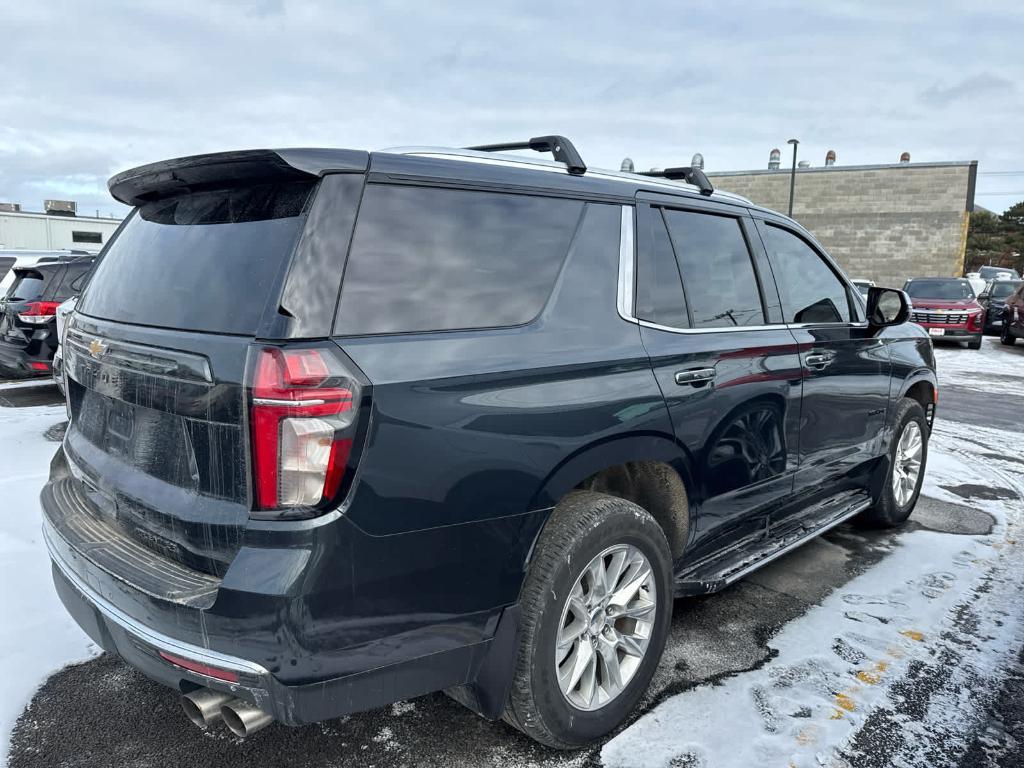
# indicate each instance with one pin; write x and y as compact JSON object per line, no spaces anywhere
{"x":689,"y":584}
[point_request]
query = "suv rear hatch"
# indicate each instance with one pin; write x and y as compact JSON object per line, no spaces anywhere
{"x":156,"y":357}
{"x":25,"y":299}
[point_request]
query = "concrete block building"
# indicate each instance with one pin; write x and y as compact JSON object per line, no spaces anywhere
{"x":881,"y":222}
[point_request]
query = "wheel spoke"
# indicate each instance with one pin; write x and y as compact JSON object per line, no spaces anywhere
{"x":637,"y":574}
{"x":613,"y":571}
{"x":639,"y":609}
{"x":610,"y":666}
{"x":630,"y":645}
{"x":576,"y":665}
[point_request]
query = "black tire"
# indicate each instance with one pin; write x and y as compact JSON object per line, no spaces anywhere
{"x":974,"y":344}
{"x":1006,"y":335}
{"x":583,"y":525}
{"x":887,"y":512}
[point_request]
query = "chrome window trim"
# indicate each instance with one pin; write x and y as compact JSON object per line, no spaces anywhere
{"x":627,"y":287}
{"x":627,"y":260}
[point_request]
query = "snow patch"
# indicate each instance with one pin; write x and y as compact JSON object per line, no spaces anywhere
{"x":37,"y":636}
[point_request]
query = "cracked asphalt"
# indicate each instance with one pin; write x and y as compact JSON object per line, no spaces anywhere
{"x":103,"y":713}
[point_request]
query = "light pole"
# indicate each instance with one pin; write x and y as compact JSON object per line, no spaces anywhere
{"x":792,"y":175}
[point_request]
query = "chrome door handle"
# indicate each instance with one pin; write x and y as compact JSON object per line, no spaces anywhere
{"x":695,"y":376}
{"x":818,"y":361}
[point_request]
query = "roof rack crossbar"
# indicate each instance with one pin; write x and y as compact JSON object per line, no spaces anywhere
{"x":560,"y":148}
{"x":688,"y":174}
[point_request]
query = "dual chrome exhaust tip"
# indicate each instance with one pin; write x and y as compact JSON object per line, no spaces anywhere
{"x":205,"y":707}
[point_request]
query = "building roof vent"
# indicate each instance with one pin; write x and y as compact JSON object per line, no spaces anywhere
{"x":804,"y":164}
{"x":60,"y":207}
{"x":905,"y":157}
{"x":830,"y":157}
{"x":10,"y":207}
{"x":774,"y":160}
{"x":697,"y":161}
{"x":627,"y":165}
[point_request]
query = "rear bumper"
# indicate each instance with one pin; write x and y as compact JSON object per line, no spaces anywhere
{"x":317,"y":619}
{"x":21,"y":357}
{"x":140,"y":645}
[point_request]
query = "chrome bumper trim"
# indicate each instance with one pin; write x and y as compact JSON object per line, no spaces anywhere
{"x":140,"y":631}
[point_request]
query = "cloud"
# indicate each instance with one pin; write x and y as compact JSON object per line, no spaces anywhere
{"x":979,"y":86}
{"x":92,"y":89}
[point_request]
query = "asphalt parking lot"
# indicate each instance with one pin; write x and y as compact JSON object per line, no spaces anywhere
{"x":860,"y":649}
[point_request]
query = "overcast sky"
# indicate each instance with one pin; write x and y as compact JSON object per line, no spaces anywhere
{"x":87,"y":90}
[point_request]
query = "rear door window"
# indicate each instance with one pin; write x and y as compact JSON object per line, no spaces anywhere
{"x":430,"y":259}
{"x":811,"y":291}
{"x":718,"y":274}
{"x":206,"y":261}
{"x":659,"y":288}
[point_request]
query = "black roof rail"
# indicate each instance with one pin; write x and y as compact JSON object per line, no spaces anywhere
{"x":560,"y":148}
{"x":688,"y":174}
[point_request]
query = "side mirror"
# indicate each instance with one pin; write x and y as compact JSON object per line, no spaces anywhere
{"x":887,"y":306}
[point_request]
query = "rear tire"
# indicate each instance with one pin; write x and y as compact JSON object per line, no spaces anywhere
{"x":586,"y":535}
{"x":899,"y":494}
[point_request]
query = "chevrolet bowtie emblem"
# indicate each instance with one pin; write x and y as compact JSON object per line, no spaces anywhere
{"x":97,"y":348}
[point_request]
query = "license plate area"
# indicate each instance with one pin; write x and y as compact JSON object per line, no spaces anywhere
{"x":936,"y":331}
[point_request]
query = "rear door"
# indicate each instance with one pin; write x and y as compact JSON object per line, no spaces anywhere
{"x":846,"y":375}
{"x":729,"y":371}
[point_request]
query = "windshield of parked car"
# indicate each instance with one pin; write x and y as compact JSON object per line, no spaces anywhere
{"x":990,"y":273}
{"x":939,"y":289}
{"x":1003,"y":288}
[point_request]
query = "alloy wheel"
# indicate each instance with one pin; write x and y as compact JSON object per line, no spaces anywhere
{"x":907,"y":466}
{"x":605,"y":627}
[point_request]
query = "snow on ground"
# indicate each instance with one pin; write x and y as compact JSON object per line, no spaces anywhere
{"x":938,"y":598}
{"x":37,"y":637}
{"x":995,"y":368}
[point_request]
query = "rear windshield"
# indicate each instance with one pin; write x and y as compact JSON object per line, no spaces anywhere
{"x":940,"y":289}
{"x":206,"y":261}
{"x":26,"y":286}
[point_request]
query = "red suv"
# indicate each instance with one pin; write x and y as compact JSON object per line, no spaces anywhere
{"x":947,"y":308}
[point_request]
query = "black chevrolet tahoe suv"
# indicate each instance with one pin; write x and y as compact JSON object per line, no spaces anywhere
{"x":349,"y":427}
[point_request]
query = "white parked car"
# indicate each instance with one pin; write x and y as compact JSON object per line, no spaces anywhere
{"x":977,"y":282}
{"x":64,"y":312}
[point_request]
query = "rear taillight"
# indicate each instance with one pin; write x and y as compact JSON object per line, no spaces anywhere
{"x":304,"y":405}
{"x":39,"y":312}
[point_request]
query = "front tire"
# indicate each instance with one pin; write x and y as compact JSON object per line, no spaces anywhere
{"x":595,"y":607}
{"x":908,"y":458}
{"x":976,"y":344}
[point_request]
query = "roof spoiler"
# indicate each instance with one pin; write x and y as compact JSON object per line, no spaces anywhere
{"x":183,"y":174}
{"x":560,"y":148}
{"x":688,"y":174}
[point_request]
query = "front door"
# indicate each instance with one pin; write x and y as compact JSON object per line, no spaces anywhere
{"x":846,"y":376}
{"x":730,"y":377}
